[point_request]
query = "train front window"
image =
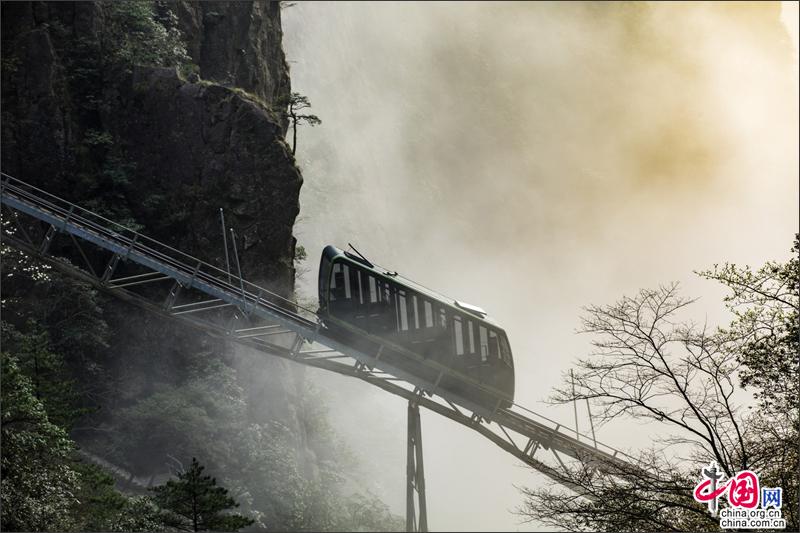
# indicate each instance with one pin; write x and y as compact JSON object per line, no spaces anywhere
{"x":494,"y":345}
{"x":428,"y":314}
{"x":505,"y":351}
{"x":459,"y":335}
{"x":471,"y":336}
{"x":337,"y":282}
{"x":416,"y":311}
{"x":324,"y":277}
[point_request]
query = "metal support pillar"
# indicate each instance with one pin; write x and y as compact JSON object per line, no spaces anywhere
{"x":415,"y":473}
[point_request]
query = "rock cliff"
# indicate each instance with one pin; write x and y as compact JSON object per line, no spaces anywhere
{"x":160,"y":129}
{"x":237,"y":44}
{"x":175,"y":151}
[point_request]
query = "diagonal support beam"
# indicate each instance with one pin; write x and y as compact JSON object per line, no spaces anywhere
{"x":83,"y":255}
{"x":110,"y":268}
{"x":172,"y":296}
{"x":48,"y":239}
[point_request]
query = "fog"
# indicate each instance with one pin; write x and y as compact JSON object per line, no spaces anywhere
{"x":532,"y":159}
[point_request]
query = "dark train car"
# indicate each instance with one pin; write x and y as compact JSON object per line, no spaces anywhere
{"x":366,"y":306}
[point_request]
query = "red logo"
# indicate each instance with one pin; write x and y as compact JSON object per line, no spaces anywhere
{"x":742,"y":489}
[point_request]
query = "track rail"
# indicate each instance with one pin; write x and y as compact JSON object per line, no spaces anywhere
{"x":227,"y":306}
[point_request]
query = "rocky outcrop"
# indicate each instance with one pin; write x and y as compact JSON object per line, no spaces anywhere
{"x":237,"y":44}
{"x":208,"y":147}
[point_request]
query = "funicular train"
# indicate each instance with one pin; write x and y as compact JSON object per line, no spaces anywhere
{"x":368,"y":307}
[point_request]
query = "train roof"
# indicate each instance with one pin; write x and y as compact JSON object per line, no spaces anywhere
{"x":411,"y":284}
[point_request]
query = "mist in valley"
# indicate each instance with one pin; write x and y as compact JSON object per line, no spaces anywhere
{"x":533,"y":159}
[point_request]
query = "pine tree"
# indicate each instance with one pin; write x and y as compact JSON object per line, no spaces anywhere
{"x":297,"y":103}
{"x":194,"y":502}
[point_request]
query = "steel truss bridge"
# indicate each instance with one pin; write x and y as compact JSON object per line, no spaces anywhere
{"x":170,"y":283}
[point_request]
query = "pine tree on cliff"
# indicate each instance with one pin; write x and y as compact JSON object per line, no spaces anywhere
{"x":297,"y":103}
{"x":194,"y":502}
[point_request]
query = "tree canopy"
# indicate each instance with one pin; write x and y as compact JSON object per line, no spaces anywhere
{"x":650,"y":364}
{"x":194,"y":502}
{"x":38,"y":486}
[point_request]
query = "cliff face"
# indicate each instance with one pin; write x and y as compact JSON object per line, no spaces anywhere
{"x":104,"y":120}
{"x":208,"y":147}
{"x":237,"y":44}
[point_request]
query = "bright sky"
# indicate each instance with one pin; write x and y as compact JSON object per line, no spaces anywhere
{"x":534,"y":158}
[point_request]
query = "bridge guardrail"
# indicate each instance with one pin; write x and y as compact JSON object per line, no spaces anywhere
{"x":137,"y":241}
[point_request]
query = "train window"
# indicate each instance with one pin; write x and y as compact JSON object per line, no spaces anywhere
{"x":387,"y":292}
{"x":324,"y":277}
{"x":402,"y":318}
{"x":337,"y":282}
{"x":416,"y":312}
{"x":373,"y":291}
{"x":442,"y":318}
{"x":471,"y":336}
{"x":459,"y":335}
{"x":357,"y":288}
{"x":505,"y":350}
{"x":346,"y":276}
{"x":494,"y":345}
{"x":428,"y":315}
{"x":484,"y":343}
